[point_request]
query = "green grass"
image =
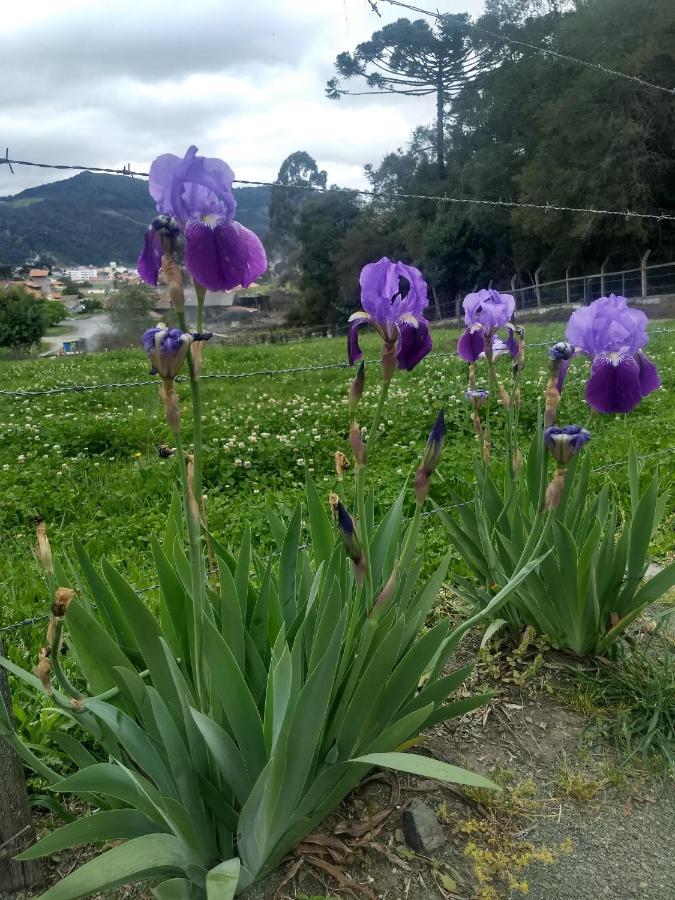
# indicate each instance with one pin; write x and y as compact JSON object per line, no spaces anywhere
{"x":88,"y":462}
{"x":632,"y":701}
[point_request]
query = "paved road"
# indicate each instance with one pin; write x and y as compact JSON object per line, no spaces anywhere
{"x":87,"y":327}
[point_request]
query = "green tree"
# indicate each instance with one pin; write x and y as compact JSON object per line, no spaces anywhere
{"x":415,"y":59}
{"x":53,"y":312}
{"x":324,"y":221}
{"x":22,"y":323}
{"x":130,"y":310}
{"x":298,"y":176}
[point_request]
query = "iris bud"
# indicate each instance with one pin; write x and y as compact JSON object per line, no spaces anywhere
{"x":430,"y":457}
{"x":351,"y":542}
{"x":564,"y":443}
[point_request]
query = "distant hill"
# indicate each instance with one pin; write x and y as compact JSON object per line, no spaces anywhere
{"x":94,"y":219}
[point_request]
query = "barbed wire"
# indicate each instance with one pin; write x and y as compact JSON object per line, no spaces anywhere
{"x":34,"y":620}
{"x":613,"y":73}
{"x":391,"y":196}
{"x":85,"y":388}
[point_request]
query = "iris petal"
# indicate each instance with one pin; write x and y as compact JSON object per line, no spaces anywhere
{"x":414,"y":342}
{"x":150,"y":259}
{"x":649,"y":376}
{"x":562,"y":374}
{"x":224,"y":256}
{"x":354,"y":352}
{"x":471,"y":344}
{"x":614,"y":386}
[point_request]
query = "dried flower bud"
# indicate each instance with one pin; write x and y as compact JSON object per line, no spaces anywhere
{"x":169,"y":397}
{"x":504,"y":397}
{"x":554,"y":491}
{"x":173,"y":276}
{"x":517,"y":461}
{"x":43,"y":669}
{"x":62,"y":600}
{"x":44,"y":552}
{"x":357,"y":445}
{"x":333,"y":501}
{"x":341,"y":464}
{"x":486,"y":445}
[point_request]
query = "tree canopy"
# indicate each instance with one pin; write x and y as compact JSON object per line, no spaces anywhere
{"x":22,"y":322}
{"x":415,"y":59}
{"x":529,"y":128}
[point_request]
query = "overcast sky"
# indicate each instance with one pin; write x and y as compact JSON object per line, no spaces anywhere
{"x":108,"y":83}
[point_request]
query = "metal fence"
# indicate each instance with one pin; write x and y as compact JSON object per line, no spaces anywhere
{"x":642,"y":282}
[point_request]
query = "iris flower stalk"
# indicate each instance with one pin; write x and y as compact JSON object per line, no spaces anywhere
{"x":393,"y":298}
{"x":168,"y":349}
{"x":195,"y":203}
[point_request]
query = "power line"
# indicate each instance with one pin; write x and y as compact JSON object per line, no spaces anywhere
{"x":34,"y":620}
{"x":390,"y":196}
{"x":613,"y":73}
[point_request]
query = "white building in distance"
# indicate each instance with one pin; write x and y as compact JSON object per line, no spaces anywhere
{"x":82,"y":274}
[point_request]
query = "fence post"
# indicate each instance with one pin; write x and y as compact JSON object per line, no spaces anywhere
{"x":537,"y":286}
{"x":643,"y":271}
{"x":457,"y":308}
{"x":567,"y":284}
{"x":16,"y":826}
{"x":603,"y":269}
{"x":438,"y":308}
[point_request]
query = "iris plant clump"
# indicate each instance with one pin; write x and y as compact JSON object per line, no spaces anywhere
{"x":589,"y":587}
{"x":223,"y":730}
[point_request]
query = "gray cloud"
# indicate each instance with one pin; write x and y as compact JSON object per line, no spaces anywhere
{"x":106,"y":84}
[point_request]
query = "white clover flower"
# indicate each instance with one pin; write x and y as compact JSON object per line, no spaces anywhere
{"x":237,"y":462}
{"x":247,"y":464}
{"x":300,"y":461}
{"x":5,"y":467}
{"x":21,"y":458}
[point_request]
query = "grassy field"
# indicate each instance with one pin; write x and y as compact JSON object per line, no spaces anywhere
{"x":88,"y":462}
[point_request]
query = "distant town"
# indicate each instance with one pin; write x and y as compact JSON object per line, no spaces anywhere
{"x":69,"y":284}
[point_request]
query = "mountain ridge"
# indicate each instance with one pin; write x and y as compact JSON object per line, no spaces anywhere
{"x":94,"y":218}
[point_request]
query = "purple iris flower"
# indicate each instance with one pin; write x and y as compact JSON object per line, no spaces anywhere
{"x":484,"y":312}
{"x":565,"y":442}
{"x":613,"y":335}
{"x":196,"y":193}
{"x":477,"y":396}
{"x":168,"y":347}
{"x":393,"y":296}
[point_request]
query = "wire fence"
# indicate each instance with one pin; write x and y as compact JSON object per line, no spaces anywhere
{"x":389,"y":196}
{"x":255,"y":373}
{"x":643,"y":282}
{"x":35,"y":620}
